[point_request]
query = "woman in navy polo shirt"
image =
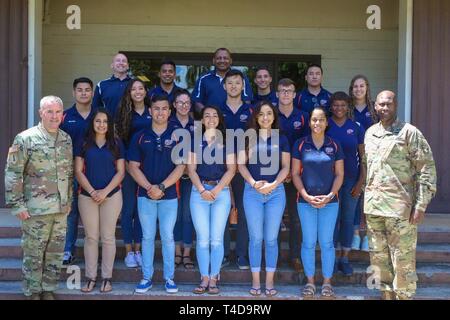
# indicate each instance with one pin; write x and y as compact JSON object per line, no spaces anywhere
{"x":211,"y":170}
{"x":133,"y":115}
{"x":362,"y":110}
{"x":350,"y":135}
{"x":100,"y":168}
{"x":264,"y":194}
{"x":318,"y":173}
{"x":183,"y":232}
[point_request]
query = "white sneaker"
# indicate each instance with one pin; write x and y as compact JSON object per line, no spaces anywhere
{"x":130,"y":260}
{"x":356,"y":242}
{"x":365,"y":244}
{"x":138,"y":258}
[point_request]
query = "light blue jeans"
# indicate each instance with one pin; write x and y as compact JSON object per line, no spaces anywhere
{"x":264,"y":214}
{"x":166,"y":212}
{"x":210,"y":220}
{"x":318,"y":224}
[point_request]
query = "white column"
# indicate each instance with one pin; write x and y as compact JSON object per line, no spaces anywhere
{"x":35,"y":9}
{"x":405,"y":32}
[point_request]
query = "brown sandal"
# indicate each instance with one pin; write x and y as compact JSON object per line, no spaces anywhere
{"x":89,"y":287}
{"x":327,"y":291}
{"x":201,"y":289}
{"x":189,"y":264}
{"x":106,"y":286}
{"x":213,"y":290}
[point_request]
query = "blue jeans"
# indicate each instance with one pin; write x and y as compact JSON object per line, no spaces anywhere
{"x":343,"y":232}
{"x":210,"y":220}
{"x":264,"y":214}
{"x":72,"y":221}
{"x":184,"y":227}
{"x":318,"y":224}
{"x":357,"y":221}
{"x":166,"y":212}
{"x":131,"y":226}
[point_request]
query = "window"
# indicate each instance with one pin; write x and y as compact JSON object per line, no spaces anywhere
{"x":145,"y":65}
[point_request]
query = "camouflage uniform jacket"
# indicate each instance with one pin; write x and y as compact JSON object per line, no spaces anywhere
{"x":401,"y":174}
{"x":39,"y":173}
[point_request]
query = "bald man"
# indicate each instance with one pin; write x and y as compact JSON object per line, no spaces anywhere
{"x":109,"y":92}
{"x":401,"y":181}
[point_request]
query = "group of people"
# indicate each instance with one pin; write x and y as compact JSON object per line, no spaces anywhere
{"x":123,"y":150}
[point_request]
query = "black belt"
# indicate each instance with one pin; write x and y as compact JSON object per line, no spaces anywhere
{"x":185,"y":177}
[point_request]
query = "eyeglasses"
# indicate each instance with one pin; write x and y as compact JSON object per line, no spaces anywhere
{"x":183,"y":104}
{"x":286,"y":91}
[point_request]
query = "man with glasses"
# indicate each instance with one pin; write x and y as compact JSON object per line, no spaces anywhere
{"x":167,"y":73}
{"x":152,"y":167}
{"x":295,"y":124}
{"x":209,"y":88}
{"x":314,"y":95}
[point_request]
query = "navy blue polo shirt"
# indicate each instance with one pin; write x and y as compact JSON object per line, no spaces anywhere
{"x":154,"y":154}
{"x":272,"y":97}
{"x":350,"y":136}
{"x":100,"y":165}
{"x":176,"y":124}
{"x":317,"y":165}
{"x":158,"y":91}
{"x":364,"y":118}
{"x":306,"y":101}
{"x":295,"y":126}
{"x":236,"y":120}
{"x":75,"y":125}
{"x":210,"y":92}
{"x":109,"y":92}
{"x":140,"y":122}
{"x":211,"y":169}
{"x":267,"y":148}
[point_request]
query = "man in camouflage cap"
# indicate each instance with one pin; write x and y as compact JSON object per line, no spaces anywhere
{"x":401,"y":181}
{"x":38,"y":181}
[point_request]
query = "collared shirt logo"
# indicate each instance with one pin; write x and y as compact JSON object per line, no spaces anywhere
{"x":350,"y":131}
{"x":168,"y":142}
{"x":297,"y":124}
{"x":72,"y":121}
{"x":329,"y":150}
{"x":323,"y":102}
{"x":244,"y":117}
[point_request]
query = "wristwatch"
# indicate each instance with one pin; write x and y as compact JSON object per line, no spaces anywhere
{"x":162,"y":187}
{"x":332,"y":195}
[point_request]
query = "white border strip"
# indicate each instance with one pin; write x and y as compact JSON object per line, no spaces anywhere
{"x":405,"y":58}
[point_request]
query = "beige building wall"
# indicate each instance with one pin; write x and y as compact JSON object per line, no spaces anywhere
{"x":334,"y":29}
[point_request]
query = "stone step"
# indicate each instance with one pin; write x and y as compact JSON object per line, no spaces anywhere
{"x":11,"y":270}
{"x":125,"y":291}
{"x":426,"y":235}
{"x":436,"y":253}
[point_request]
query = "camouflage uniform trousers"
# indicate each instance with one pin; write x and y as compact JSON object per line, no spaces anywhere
{"x":393,"y":243}
{"x":43,"y":249}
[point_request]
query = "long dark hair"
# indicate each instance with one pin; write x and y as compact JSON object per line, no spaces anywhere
{"x":111,"y":139}
{"x":370,"y":104}
{"x":220,"y":127}
{"x":125,"y":111}
{"x":257,"y":109}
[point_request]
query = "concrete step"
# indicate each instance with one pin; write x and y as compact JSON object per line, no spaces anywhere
{"x":425,"y":236}
{"x":436,"y":253}
{"x":11,"y":270}
{"x":125,"y":291}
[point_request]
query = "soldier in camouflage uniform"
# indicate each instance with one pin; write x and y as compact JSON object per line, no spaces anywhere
{"x":401,"y":181}
{"x":38,"y":181}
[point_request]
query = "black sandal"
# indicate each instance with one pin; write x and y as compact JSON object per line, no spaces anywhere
{"x":106,"y":286}
{"x":188,"y":265}
{"x":89,"y":287}
{"x":177,"y":264}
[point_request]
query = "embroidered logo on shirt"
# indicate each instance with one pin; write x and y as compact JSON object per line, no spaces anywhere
{"x":323,"y":102}
{"x":368,"y":115}
{"x":329,"y":150}
{"x":297,"y":124}
{"x":244,"y":117}
{"x":350,"y":131}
